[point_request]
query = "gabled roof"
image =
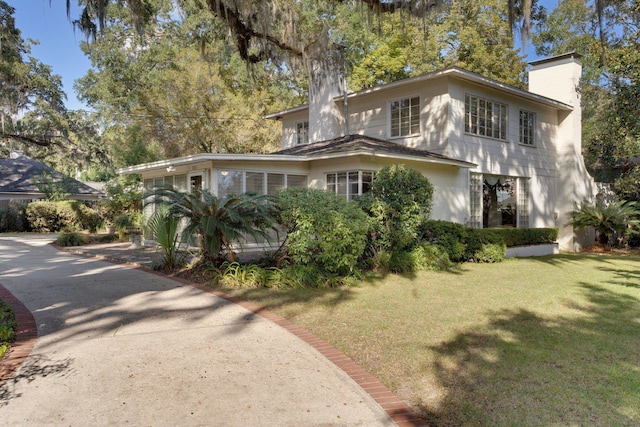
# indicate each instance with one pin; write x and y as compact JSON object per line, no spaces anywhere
{"x":19,"y":176}
{"x":361,"y":144}
{"x":453,"y":72}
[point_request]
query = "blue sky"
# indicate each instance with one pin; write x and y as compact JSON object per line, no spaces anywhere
{"x":59,"y":47}
{"x":47,"y":22}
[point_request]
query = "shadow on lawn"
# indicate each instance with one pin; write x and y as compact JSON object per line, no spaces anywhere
{"x":272,"y":299}
{"x":526,"y":369}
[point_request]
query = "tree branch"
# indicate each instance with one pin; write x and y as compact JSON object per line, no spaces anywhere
{"x":44,"y":142}
{"x":244,"y":32}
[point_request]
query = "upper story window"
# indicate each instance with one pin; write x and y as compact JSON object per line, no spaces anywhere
{"x":527,"y":127}
{"x":302,"y":133}
{"x":350,"y":184}
{"x":405,"y":117}
{"x":484,"y":117}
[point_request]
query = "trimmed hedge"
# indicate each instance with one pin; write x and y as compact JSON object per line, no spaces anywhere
{"x":48,"y":217}
{"x":522,"y":236}
{"x":481,"y":245}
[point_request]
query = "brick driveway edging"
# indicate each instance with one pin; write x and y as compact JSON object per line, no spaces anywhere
{"x":26,"y":336}
{"x":396,"y":408}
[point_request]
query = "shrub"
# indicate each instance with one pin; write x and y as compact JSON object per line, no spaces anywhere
{"x":8,"y":326}
{"x":463,"y":243}
{"x":490,"y":253}
{"x":449,"y":236}
{"x":522,"y":236}
{"x":401,"y":262}
{"x":14,"y":218}
{"x":70,"y":239}
{"x":397,"y":204}
{"x":45,"y":217}
{"x":608,"y":219}
{"x":322,"y":229}
{"x":218,"y":222}
{"x":75,"y":214}
{"x":297,"y":276}
{"x":235,"y":275}
{"x":431,"y":257}
{"x":124,"y":196}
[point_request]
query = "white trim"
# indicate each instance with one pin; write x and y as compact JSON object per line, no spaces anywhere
{"x":403,"y":98}
{"x":453,"y":72}
{"x":180,"y":161}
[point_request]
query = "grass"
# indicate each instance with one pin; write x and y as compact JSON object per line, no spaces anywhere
{"x":546,"y":341}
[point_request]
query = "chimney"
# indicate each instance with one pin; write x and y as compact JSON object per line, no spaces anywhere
{"x":557,"y":77}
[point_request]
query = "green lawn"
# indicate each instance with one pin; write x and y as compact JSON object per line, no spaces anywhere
{"x":548,"y":341}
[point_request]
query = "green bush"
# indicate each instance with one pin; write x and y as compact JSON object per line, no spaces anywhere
{"x":70,"y":239}
{"x":397,"y":204}
{"x":235,"y":275}
{"x":46,"y":217}
{"x":521,"y":236}
{"x":43,"y":217}
{"x":124,"y":195}
{"x":431,"y":257}
{"x":8,"y":327}
{"x":490,"y":253}
{"x":14,"y":218}
{"x":449,"y":236}
{"x":322,"y":228}
{"x":75,"y":214}
{"x":297,"y":276}
{"x":472,"y":244}
{"x":401,"y":262}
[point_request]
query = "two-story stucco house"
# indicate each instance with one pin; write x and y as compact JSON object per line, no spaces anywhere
{"x":498,"y":156}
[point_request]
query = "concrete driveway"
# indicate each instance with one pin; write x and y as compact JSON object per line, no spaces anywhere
{"x":120,"y":346}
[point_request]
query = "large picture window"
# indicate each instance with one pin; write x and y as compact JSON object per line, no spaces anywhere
{"x":404,"y":117}
{"x":499,"y":201}
{"x":349,"y":184}
{"x":485,"y":118}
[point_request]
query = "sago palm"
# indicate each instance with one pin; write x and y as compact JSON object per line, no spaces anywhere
{"x":219,"y":221}
{"x":608,"y":219}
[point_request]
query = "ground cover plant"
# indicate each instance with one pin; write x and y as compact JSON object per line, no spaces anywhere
{"x":8,"y":327}
{"x":539,"y":341}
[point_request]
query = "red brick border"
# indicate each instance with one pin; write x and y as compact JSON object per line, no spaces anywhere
{"x":396,"y":408}
{"x":26,"y":336}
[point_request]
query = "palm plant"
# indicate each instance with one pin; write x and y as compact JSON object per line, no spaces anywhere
{"x":219,"y":221}
{"x":163,"y":225}
{"x":608,"y":219}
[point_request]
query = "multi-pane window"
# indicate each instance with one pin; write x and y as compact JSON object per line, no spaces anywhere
{"x":302,"y":133}
{"x":485,"y":118}
{"x":498,"y":201}
{"x":349,"y":184}
{"x":475,"y":188}
{"x":179,"y":182}
{"x":239,"y":182}
{"x":404,"y":117}
{"x":523,"y":202}
{"x":527,"y":127}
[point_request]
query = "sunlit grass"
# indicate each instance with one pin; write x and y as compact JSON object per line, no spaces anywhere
{"x":548,"y":341}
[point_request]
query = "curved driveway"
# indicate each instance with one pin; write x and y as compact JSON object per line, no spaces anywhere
{"x":120,"y":346}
